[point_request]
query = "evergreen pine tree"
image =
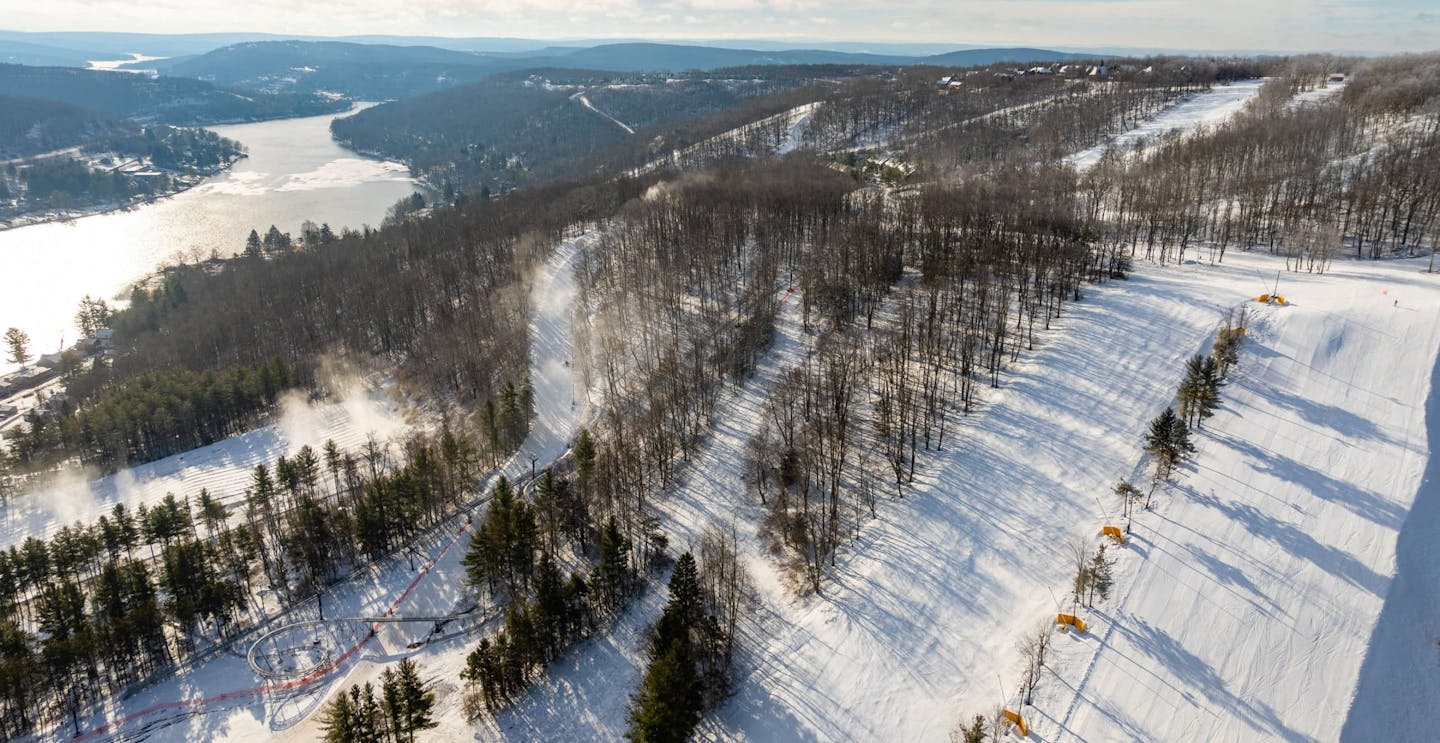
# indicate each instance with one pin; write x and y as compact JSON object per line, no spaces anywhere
{"x":685,"y":609}
{"x":975,"y":732}
{"x":1100,"y":575}
{"x":551,"y":610}
{"x":252,"y":245}
{"x":584,"y":448}
{"x":667,"y":706}
{"x":339,"y":720}
{"x":416,"y":699}
{"x":613,"y":572}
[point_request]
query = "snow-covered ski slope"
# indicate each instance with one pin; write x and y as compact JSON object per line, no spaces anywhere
{"x":223,"y":699}
{"x":918,"y":628}
{"x":223,"y":468}
{"x":1202,"y":109}
{"x":1247,"y":599}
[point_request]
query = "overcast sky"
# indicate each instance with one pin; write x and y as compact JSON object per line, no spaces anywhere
{"x":1322,"y":25}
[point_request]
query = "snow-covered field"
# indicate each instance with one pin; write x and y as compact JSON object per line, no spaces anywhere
{"x":1203,"y":109}
{"x":223,"y":468}
{"x":1318,"y":95}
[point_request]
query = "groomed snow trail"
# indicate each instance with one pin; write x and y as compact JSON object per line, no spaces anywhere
{"x":923,"y":613}
{"x":1209,"y":108}
{"x":585,"y":101}
{"x":795,"y":133}
{"x":223,"y":699}
{"x":1250,"y":593}
{"x":1395,"y":698}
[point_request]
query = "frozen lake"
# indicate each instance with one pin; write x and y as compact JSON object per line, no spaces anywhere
{"x":295,"y":172}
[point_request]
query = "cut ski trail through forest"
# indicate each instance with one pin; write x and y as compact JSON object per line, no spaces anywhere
{"x":223,"y":699}
{"x":1208,"y":108}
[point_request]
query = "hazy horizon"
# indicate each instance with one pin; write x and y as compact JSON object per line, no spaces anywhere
{"x":1221,"y":26}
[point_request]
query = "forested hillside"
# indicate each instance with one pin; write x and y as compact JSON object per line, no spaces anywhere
{"x":358,"y":71}
{"x":527,"y":127}
{"x":73,"y":139}
{"x":30,"y":126}
{"x":179,"y":101}
{"x":811,"y":310}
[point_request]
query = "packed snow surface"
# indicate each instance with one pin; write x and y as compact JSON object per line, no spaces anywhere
{"x":1242,"y":610}
{"x":1209,"y":108}
{"x":1250,"y":594}
{"x":585,"y":101}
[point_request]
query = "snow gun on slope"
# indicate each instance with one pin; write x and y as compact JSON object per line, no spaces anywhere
{"x":1273,"y":296}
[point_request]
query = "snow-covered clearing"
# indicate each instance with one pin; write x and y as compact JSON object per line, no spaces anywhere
{"x":795,"y":121}
{"x":799,"y":123}
{"x":1247,"y":599}
{"x":223,"y":699}
{"x":1209,"y":108}
{"x":924,"y":612}
{"x":585,"y":101}
{"x":223,"y":468}
{"x":1318,"y":95}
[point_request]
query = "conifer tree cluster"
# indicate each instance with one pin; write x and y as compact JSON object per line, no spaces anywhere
{"x":404,"y":706}
{"x":506,"y":424}
{"x":1199,"y":392}
{"x":692,"y":642}
{"x":1168,"y":442}
{"x":667,"y":706}
{"x":150,"y":416}
{"x":516,"y":553}
{"x":100,"y":606}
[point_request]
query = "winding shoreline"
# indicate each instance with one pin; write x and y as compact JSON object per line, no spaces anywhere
{"x":188,"y":182}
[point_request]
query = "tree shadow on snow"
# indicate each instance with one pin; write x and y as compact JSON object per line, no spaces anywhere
{"x":1197,"y":674}
{"x":1297,"y":542}
{"x":1364,"y":503}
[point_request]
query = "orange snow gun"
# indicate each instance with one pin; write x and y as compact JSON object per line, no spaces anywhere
{"x":1018,"y":720}
{"x":1072,"y":620}
{"x":1114,"y":533}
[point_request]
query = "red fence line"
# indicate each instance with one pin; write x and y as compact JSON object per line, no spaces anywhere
{"x":267,"y":688}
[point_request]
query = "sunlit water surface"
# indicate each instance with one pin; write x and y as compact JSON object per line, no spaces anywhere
{"x":294,"y":172}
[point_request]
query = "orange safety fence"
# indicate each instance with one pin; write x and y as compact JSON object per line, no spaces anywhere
{"x":1018,"y":720}
{"x":1071,"y":620}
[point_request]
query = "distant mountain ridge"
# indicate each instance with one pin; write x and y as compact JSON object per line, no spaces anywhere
{"x":391,"y":71}
{"x":167,"y":100}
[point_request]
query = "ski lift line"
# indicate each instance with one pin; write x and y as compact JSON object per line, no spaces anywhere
{"x":193,"y":706}
{"x":314,"y":675}
{"x":320,"y":671}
